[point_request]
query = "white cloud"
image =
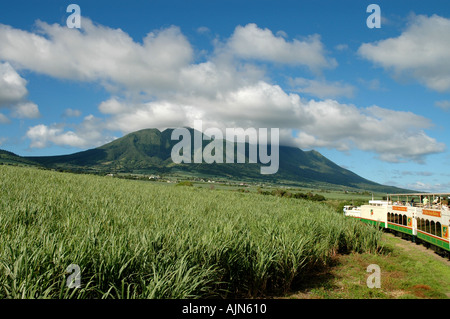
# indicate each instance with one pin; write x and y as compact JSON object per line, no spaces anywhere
{"x":252,"y":42}
{"x":255,"y":105}
{"x":12,"y":95}
{"x":322,"y":88}
{"x":341,"y":47}
{"x":112,"y":106}
{"x":444,"y":105}
{"x":41,"y":135}
{"x":422,"y":52}
{"x":373,"y":84}
{"x":428,"y":187}
{"x":319,"y":123}
{"x":12,"y":85}
{"x":413,"y":173}
{"x":26,"y":110}
{"x":373,"y":129}
{"x":223,"y":91}
{"x":130,"y":117}
{"x":203,"y":30}
{"x":98,"y":53}
{"x":4,"y":119}
{"x":90,"y":133}
{"x":71,"y":113}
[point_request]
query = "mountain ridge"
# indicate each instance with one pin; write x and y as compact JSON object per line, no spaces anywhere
{"x":148,"y":151}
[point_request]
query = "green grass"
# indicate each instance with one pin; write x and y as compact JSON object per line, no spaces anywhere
{"x":408,"y":271}
{"x":143,"y":240}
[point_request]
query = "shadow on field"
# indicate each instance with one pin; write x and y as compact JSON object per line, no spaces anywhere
{"x":324,"y":277}
{"x":321,"y":277}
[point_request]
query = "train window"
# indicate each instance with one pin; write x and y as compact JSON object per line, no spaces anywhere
{"x":433,"y":228}
{"x":438,"y":229}
{"x":389,"y":217}
{"x":396,"y":218}
{"x":404,"y":220}
{"x":421,"y":224}
{"x":427,"y":226}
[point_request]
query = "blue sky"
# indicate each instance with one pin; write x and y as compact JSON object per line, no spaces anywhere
{"x":375,"y":101}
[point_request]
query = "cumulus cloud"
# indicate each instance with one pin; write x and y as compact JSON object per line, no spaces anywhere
{"x":13,"y":94}
{"x":4,"y":119}
{"x":422,"y":52}
{"x":227,"y":90}
{"x":443,"y":105}
{"x":41,"y":135}
{"x":71,"y":113}
{"x":26,"y":110}
{"x":160,"y":65}
{"x":341,"y":47}
{"x":252,"y":42}
{"x":203,"y":30}
{"x":427,"y":187}
{"x":373,"y":84}
{"x":394,"y":135}
{"x":322,"y":89}
{"x":258,"y":105}
{"x":98,"y":53}
{"x":90,"y":133}
{"x":12,"y":85}
{"x":128,"y":117}
{"x":412,"y":173}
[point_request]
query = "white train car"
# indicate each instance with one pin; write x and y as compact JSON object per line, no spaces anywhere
{"x":421,"y":217}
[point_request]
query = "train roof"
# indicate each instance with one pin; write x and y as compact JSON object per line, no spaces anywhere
{"x":420,"y":194}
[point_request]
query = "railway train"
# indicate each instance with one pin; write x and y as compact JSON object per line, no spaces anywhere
{"x":420,"y":217}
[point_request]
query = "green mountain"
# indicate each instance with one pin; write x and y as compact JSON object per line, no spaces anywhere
{"x":14,"y":159}
{"x":149,"y":151}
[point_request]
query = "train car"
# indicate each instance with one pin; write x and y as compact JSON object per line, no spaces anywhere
{"x":374,"y":213}
{"x":420,"y":217}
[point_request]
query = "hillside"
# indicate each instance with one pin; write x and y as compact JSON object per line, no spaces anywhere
{"x":149,"y":151}
{"x":14,"y":159}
